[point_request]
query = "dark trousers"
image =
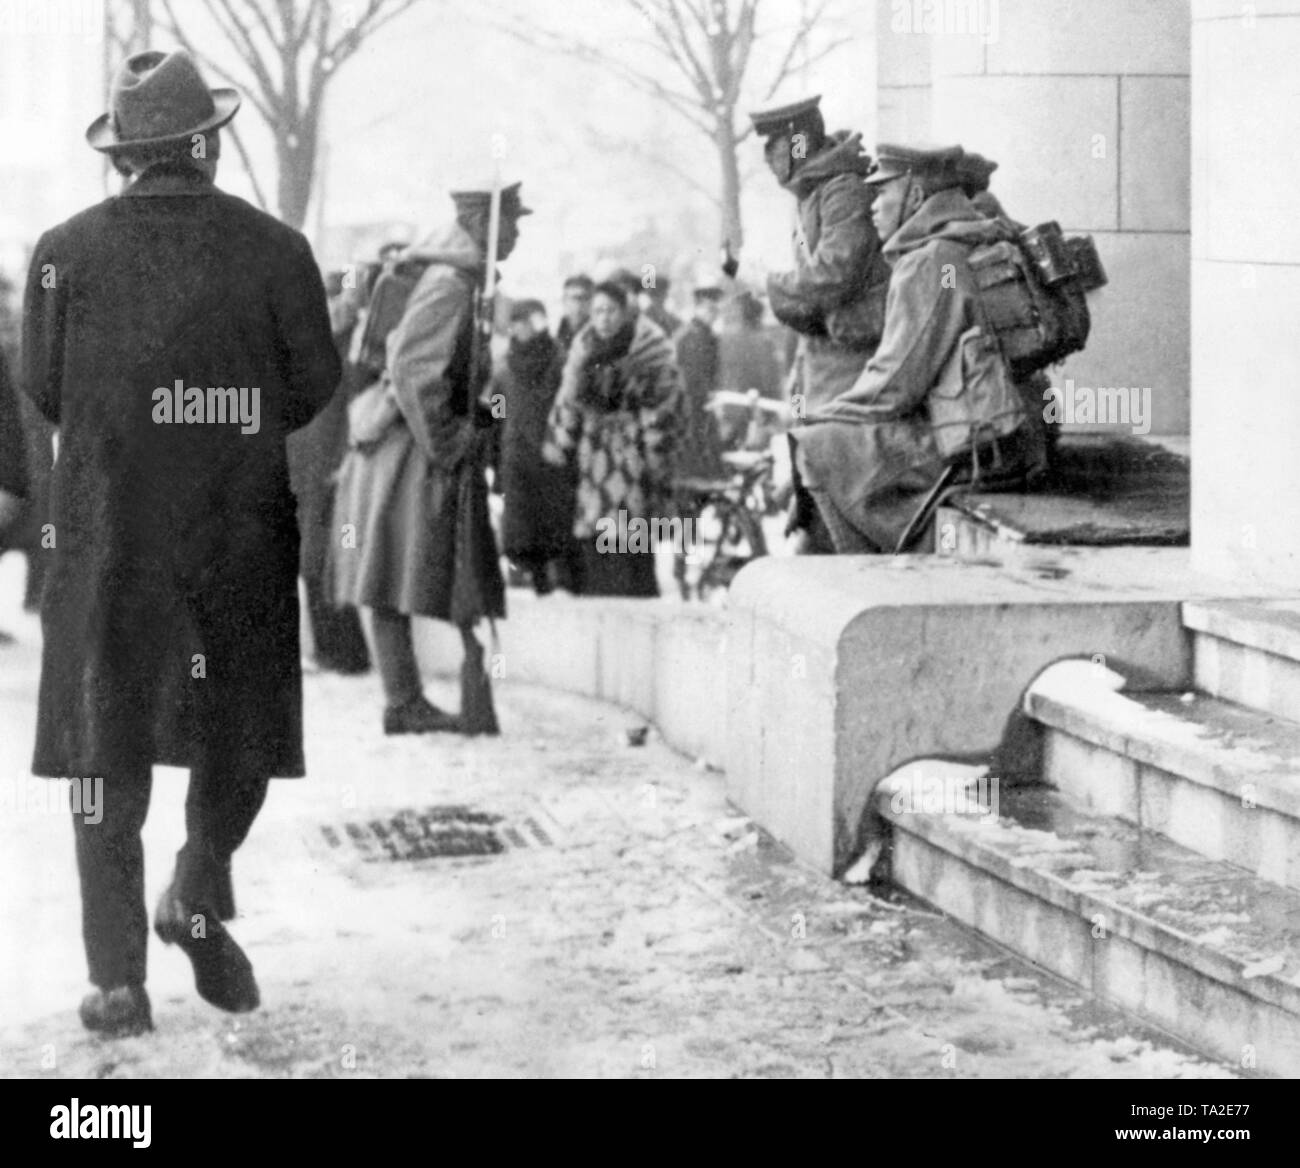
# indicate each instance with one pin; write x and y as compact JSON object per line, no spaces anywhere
{"x":390,"y":632}
{"x":335,"y":631}
{"x":808,"y":514}
{"x":220,"y":807}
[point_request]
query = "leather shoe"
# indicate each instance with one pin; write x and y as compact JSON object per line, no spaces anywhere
{"x":223,"y":976}
{"x":418,"y":716}
{"x":117,"y":1013}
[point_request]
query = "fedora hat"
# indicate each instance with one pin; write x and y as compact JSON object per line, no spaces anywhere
{"x":157,"y":98}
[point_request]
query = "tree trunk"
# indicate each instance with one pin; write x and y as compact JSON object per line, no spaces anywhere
{"x":295,"y":150}
{"x":142,"y":29}
{"x":732,"y":227}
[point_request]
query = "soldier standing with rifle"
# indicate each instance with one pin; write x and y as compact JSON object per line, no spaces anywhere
{"x":412,"y":535}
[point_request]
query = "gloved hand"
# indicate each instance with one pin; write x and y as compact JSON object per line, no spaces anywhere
{"x":371,"y":414}
{"x":730,"y":264}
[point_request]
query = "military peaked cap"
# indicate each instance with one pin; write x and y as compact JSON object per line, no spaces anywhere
{"x":480,"y":198}
{"x":787,"y":119}
{"x":934,"y":164}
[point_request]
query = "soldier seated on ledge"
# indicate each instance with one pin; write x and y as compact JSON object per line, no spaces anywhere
{"x":869,"y":455}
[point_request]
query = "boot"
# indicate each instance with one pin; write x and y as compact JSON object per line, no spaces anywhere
{"x":117,"y":1013}
{"x":418,"y":716}
{"x":477,"y":715}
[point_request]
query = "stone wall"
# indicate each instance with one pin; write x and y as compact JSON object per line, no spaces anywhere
{"x":1086,"y":107}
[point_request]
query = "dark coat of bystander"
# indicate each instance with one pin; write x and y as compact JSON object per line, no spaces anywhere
{"x":170,"y":614}
{"x":539,"y":498}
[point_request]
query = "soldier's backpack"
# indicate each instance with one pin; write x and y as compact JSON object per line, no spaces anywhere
{"x":387,"y":304}
{"x":975,"y":402}
{"x":1032,"y":292}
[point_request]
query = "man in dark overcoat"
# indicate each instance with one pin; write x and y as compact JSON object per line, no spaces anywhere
{"x":175,"y":335}
{"x":315,"y":453}
{"x":700,"y":453}
{"x":537,"y":524}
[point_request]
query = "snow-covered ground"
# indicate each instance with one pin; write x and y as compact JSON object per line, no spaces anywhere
{"x":659,"y":934}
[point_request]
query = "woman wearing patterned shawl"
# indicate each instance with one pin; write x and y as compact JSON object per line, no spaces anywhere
{"x":616,"y":419}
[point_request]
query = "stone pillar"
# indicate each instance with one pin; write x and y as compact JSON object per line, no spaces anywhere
{"x":1245,"y":291}
{"x":1084,"y":103}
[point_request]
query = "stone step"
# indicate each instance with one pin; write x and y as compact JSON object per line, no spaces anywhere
{"x":1214,"y":776}
{"x":1199,"y":947}
{"x":1248,"y":652}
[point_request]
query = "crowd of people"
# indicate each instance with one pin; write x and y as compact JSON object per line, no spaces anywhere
{"x":170,"y":608}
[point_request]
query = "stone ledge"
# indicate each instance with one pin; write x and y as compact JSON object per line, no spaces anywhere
{"x":661,"y":660}
{"x":824,"y":674}
{"x":842,"y":669}
{"x":1271,"y":627}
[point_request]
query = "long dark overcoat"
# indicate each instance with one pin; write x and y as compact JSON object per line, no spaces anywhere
{"x":315,"y":453}
{"x":412,"y":531}
{"x":13,"y":448}
{"x":539,"y":498}
{"x":171,"y":613}
{"x":699,"y":454}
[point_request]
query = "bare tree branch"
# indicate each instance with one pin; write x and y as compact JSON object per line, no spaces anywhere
{"x":703,"y":82}
{"x":249,"y":89}
{"x":259,"y":13}
{"x":319,"y":13}
{"x":230,"y":129}
{"x":610,"y":143}
{"x":742,"y":44}
{"x":800,"y":38}
{"x":288,"y":26}
{"x":369,"y":23}
{"x":242,"y":39}
{"x":665,"y":41}
{"x":681,"y":103}
{"x":286,"y":46}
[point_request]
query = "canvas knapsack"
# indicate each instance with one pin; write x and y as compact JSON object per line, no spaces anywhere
{"x":975,"y":403}
{"x":1032,"y":290}
{"x":387,"y":304}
